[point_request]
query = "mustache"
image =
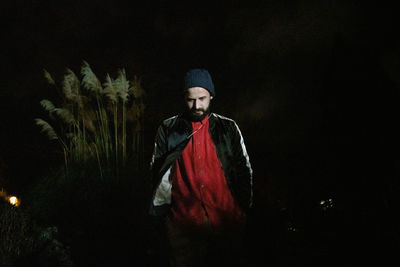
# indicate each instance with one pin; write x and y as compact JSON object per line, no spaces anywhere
{"x":195,"y":110}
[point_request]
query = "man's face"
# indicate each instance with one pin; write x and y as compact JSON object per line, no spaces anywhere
{"x":197,"y":101}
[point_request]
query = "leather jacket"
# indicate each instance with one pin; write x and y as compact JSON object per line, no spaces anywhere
{"x":172,"y":137}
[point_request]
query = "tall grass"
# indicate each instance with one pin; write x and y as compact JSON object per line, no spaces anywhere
{"x":93,"y":119}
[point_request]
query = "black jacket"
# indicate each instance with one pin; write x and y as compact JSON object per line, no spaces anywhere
{"x":172,"y":137}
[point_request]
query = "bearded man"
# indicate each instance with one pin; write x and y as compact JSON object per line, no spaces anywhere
{"x":202,"y":178}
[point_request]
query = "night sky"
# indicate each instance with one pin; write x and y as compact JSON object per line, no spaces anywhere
{"x":312,"y":85}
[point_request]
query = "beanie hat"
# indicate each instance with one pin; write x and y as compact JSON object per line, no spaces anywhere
{"x":199,"y":78}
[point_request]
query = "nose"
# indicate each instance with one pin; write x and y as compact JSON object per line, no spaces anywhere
{"x":196,"y":104}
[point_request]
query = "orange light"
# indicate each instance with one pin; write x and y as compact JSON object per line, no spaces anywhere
{"x":14,"y":201}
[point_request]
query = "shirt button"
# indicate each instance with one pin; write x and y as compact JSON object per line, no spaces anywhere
{"x":202,"y":186}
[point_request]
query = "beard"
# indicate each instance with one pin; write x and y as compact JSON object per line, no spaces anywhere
{"x":196,"y":115}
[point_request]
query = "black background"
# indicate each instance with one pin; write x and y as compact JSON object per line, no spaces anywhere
{"x":313,"y":86}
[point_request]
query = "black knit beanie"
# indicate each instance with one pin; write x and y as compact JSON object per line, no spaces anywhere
{"x":199,"y":78}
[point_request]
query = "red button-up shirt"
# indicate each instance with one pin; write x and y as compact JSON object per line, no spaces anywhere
{"x":199,"y":188}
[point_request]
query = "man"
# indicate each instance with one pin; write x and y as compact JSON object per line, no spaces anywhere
{"x":202,"y":177}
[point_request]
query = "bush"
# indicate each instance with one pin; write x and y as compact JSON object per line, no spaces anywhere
{"x":102,"y":220}
{"x":99,"y":199}
{"x":24,"y":243}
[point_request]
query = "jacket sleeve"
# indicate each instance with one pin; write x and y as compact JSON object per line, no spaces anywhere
{"x":160,"y":149}
{"x":244,"y":172}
